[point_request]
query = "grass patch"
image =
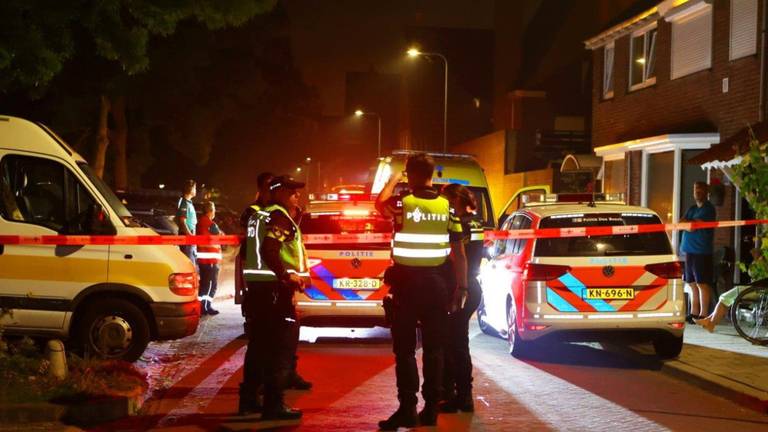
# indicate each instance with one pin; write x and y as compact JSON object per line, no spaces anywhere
{"x":24,"y":376}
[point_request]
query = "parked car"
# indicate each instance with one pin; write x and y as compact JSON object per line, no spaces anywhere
{"x":620,"y":288}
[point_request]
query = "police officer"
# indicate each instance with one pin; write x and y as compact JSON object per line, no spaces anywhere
{"x":457,"y":373}
{"x":276,"y":268}
{"x":426,"y":232}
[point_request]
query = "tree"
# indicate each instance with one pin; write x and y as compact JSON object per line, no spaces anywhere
{"x":751,"y":174}
{"x":39,"y":39}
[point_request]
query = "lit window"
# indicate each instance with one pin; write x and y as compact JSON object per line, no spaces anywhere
{"x":642,"y":70}
{"x":608,"y":71}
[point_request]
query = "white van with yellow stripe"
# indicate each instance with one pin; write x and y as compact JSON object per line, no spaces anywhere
{"x":109,"y":300}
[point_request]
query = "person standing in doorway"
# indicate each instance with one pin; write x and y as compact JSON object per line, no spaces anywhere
{"x":697,"y":246}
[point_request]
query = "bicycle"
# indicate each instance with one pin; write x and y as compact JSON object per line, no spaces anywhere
{"x":749,"y":313}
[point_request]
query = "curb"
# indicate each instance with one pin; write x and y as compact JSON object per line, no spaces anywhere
{"x":718,"y":385}
{"x":85,"y":413}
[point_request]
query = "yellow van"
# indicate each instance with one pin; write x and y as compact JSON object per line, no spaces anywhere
{"x":109,"y":300}
{"x":449,"y":168}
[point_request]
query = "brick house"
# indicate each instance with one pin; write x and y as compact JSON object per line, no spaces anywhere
{"x":668,"y":84}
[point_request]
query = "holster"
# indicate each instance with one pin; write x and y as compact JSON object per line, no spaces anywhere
{"x":386,"y":303}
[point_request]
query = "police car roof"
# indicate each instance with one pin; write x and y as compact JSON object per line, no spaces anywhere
{"x":578,"y":208}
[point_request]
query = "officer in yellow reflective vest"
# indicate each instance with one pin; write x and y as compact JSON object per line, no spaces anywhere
{"x":276,"y":266}
{"x":426,"y":233}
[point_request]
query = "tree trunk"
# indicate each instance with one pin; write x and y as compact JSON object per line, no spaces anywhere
{"x":102,"y":137}
{"x":120,"y":135}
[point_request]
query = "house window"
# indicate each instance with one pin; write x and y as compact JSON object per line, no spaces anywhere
{"x":692,"y":41}
{"x":608,"y":71}
{"x":743,"y":40}
{"x":642,"y":70}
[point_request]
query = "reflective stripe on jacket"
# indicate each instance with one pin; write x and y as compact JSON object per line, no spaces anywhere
{"x":207,"y":254}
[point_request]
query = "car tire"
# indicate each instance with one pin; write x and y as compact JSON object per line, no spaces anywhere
{"x":668,"y":346}
{"x":113,"y":329}
{"x":481,"y":320}
{"x":518,"y":348}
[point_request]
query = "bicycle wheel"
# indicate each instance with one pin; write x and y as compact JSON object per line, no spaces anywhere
{"x":749,"y":314}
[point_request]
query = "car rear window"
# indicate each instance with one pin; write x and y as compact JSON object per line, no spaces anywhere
{"x":623,"y":245}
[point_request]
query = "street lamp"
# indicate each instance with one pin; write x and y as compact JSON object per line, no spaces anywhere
{"x":415,"y":52}
{"x":360,"y":113}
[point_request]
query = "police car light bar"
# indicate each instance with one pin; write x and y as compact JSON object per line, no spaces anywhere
{"x":434,"y":154}
{"x":586,"y":197}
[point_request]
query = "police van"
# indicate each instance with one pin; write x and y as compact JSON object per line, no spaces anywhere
{"x":348,"y":250}
{"x":621,"y":288}
{"x":449,"y":168}
{"x":109,"y":300}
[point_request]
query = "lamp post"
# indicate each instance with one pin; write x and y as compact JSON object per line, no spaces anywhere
{"x":360,"y":113}
{"x":415,"y":52}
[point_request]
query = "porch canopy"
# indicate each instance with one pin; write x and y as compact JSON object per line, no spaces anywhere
{"x":728,"y":153}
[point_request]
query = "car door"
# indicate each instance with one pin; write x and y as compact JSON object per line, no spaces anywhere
{"x":495,"y":281}
{"x":42,"y":196}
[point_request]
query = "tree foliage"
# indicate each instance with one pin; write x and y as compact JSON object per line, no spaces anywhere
{"x":751,"y":174}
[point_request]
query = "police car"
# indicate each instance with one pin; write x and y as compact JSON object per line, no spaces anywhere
{"x":621,"y":288}
{"x":348,"y":249}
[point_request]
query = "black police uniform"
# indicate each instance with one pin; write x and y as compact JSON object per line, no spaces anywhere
{"x":457,"y":377}
{"x":272,"y":328}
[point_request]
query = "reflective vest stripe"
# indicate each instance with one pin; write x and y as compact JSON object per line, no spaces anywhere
{"x":477,"y":236}
{"x":420,"y":253}
{"x":421,"y":238}
{"x":209,"y":255}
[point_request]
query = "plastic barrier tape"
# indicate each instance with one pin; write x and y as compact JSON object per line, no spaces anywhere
{"x":232,"y":240}
{"x":613,"y":230}
{"x":179,"y":240}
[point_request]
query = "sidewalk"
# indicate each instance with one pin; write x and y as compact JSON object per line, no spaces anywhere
{"x":722,"y":363}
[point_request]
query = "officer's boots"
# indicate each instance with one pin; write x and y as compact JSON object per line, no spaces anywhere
{"x":428,"y":414}
{"x":405,"y":416}
{"x":275,"y":409}
{"x":250,"y":401}
{"x":461,"y":402}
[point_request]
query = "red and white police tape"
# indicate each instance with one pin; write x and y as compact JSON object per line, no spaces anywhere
{"x":490,"y":235}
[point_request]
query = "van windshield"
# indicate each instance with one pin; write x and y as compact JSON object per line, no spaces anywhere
{"x":113,"y":201}
{"x":627,"y":244}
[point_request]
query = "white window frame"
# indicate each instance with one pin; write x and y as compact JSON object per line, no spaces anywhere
{"x":608,"y":72}
{"x":648,"y":52}
{"x":753,"y":49}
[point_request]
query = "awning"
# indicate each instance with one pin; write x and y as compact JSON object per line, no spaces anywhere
{"x":727,"y":152}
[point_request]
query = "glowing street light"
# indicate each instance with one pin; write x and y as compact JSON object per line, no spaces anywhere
{"x":360,"y":113}
{"x":298,"y":169}
{"x":415,"y":52}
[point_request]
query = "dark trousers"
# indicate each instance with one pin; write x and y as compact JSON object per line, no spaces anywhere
{"x":272,"y":327}
{"x":209,"y":281}
{"x":419,"y":295}
{"x":457,"y":373}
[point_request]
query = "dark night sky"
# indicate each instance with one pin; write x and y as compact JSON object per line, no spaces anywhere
{"x":332,"y":37}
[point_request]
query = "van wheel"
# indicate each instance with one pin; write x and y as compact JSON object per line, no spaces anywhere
{"x":518,"y":348}
{"x":113,"y":329}
{"x":482,"y":320}
{"x":668,"y":346}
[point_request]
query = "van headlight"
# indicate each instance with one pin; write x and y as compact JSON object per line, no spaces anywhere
{"x":183,"y":284}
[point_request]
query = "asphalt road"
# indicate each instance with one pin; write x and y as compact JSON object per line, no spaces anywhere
{"x":568,"y":387}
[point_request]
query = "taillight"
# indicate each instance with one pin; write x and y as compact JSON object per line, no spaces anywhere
{"x":544,"y":272}
{"x":183,"y":284}
{"x":667,"y":270}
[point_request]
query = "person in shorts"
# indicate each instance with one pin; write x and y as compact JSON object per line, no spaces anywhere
{"x":697,"y":246}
